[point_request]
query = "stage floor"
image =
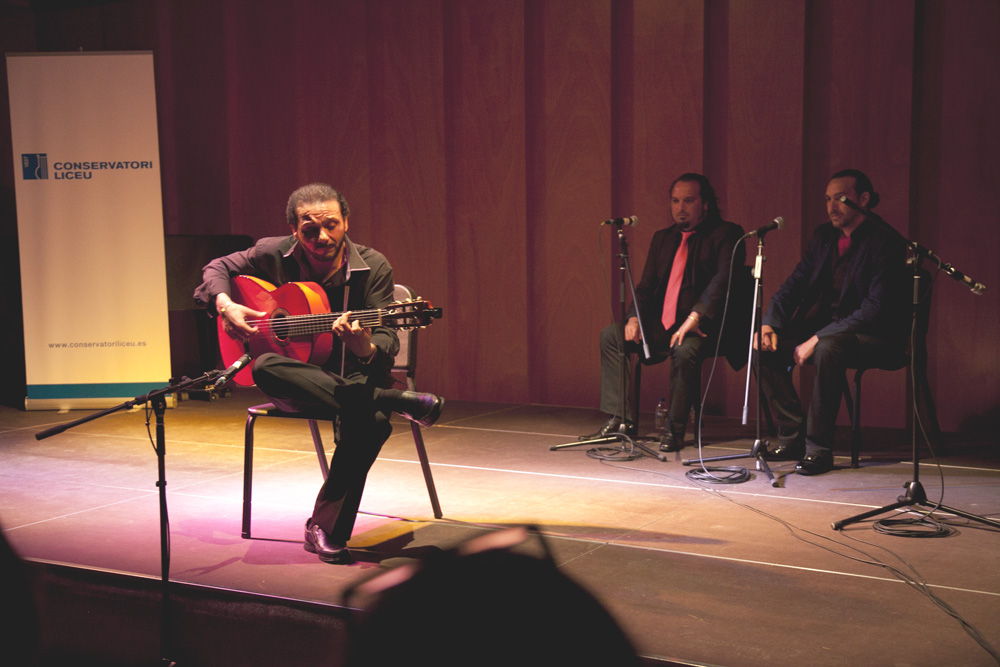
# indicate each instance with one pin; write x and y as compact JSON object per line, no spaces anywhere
{"x":695,"y":573}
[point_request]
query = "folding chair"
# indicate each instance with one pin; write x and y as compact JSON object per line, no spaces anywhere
{"x":405,"y":366}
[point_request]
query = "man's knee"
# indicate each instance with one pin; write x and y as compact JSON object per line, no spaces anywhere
{"x":686,"y":354}
{"x":264,"y":365}
{"x":267,"y":359}
{"x":830,"y":349}
{"x":611,"y":338}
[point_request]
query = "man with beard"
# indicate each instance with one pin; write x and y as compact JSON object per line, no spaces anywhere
{"x":845,"y":302}
{"x":353,"y":383}
{"x":680,"y":296}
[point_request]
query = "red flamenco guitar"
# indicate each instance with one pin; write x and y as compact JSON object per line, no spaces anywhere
{"x":298,"y":322}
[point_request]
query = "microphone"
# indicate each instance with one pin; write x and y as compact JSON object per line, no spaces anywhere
{"x":975,"y":286}
{"x":622,"y":222}
{"x":228,"y":374}
{"x":852,"y":204}
{"x":777,"y":223}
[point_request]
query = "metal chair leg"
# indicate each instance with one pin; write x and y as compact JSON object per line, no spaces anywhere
{"x":855,"y":410}
{"x":320,"y":451}
{"x":248,"y":476}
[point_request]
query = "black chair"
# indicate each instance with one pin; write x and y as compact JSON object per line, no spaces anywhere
{"x":405,"y":372}
{"x":917,"y":354}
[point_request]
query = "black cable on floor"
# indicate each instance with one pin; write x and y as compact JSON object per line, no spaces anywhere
{"x":732,"y":474}
{"x":614,"y":453}
{"x":924,"y":526}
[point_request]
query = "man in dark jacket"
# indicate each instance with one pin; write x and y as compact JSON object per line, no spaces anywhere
{"x":680,"y":297}
{"x":353,"y":384}
{"x":844,"y":302}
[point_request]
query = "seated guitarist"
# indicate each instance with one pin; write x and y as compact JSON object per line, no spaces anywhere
{"x":353,"y":383}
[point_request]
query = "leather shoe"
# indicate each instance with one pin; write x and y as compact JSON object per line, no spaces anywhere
{"x":421,"y":408}
{"x":815,"y":464}
{"x":787,"y":452}
{"x":671,"y":442}
{"x":610,"y":427}
{"x":318,"y":542}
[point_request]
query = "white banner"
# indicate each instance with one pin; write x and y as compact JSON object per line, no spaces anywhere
{"x":90,"y":227}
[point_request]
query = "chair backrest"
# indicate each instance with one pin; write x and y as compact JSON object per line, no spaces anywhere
{"x":406,"y":358}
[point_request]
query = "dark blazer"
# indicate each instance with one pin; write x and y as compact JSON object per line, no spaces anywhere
{"x":706,"y":278}
{"x":873,"y":298}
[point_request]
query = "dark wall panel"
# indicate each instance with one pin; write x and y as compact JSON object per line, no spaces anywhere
{"x":571,"y":163}
{"x":488,"y":328}
{"x":407,"y":154}
{"x":956,"y":199}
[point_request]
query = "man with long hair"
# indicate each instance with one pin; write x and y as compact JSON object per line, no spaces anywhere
{"x":680,"y":297}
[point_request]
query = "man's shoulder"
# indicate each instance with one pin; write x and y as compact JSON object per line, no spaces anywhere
{"x":825,"y":231}
{"x":717,"y":227}
{"x":373,"y":258}
{"x":367,"y":251}
{"x":269,"y":244}
{"x":731,"y":227}
{"x":665,"y":231}
{"x":710,"y":227}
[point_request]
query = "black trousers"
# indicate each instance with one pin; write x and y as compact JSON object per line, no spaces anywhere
{"x":297,"y":386}
{"x":685,"y":375}
{"x":832,"y":357}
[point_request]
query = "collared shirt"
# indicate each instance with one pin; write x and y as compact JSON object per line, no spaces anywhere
{"x":364,"y":283}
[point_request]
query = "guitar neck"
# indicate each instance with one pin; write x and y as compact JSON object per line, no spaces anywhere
{"x":316,"y":323}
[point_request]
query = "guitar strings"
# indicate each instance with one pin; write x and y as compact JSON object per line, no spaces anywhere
{"x":294,"y":325}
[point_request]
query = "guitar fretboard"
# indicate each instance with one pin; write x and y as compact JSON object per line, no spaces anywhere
{"x":305,"y":325}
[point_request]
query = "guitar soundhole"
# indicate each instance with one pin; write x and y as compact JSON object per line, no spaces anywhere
{"x":279,"y":328}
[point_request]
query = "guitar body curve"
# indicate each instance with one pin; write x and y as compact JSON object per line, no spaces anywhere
{"x":289,"y":300}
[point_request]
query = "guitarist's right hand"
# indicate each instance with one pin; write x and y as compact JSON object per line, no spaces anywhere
{"x":235,"y":316}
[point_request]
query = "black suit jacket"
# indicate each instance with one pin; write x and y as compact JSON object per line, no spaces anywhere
{"x":703,"y":289}
{"x":873,"y":298}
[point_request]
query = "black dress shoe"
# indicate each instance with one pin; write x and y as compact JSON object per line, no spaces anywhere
{"x":610,"y":427}
{"x":419,"y":407}
{"x":787,"y":452}
{"x":318,"y":542}
{"x":671,"y":442}
{"x":815,"y":464}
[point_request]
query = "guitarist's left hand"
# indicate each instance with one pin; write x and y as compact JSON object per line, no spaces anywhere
{"x":357,"y":339}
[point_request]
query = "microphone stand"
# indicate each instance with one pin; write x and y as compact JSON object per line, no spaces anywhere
{"x":628,"y":443}
{"x":759,"y":449}
{"x":915,"y":495}
{"x":158,"y":400}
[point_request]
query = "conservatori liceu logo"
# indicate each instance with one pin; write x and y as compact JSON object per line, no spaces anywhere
{"x":36,"y":167}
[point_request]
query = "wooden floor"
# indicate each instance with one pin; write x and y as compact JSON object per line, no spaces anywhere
{"x":745,"y":573}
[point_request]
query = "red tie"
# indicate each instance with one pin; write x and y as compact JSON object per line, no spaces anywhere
{"x":674,"y":283}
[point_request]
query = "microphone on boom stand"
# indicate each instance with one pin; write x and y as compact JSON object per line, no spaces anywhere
{"x":974,"y":286}
{"x":630,"y":221}
{"x":227,"y":375}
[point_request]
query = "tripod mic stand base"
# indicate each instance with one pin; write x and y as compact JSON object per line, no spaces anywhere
{"x":914,"y":496}
{"x":613,"y":437}
{"x":758,"y":452}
